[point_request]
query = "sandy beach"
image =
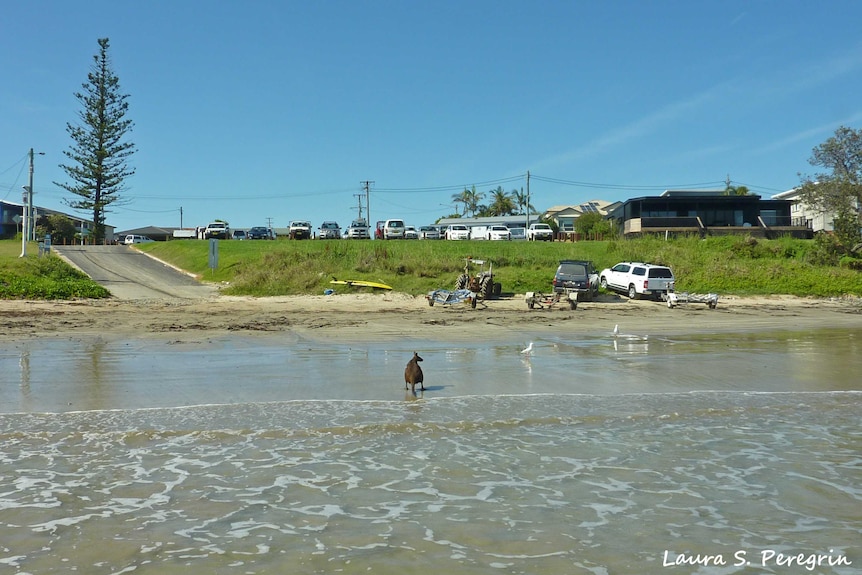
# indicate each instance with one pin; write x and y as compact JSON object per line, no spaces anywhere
{"x":385,"y":316}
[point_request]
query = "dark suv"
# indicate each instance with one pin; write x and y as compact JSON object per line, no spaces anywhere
{"x":258,"y":233}
{"x":577,"y":276}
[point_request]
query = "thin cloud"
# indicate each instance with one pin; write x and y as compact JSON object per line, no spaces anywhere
{"x":638,"y":129}
{"x":810,"y":134}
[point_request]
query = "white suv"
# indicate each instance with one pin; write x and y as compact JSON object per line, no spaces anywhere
{"x":538,"y":232}
{"x":637,"y":279}
{"x":457,"y":232}
{"x":329,"y":231}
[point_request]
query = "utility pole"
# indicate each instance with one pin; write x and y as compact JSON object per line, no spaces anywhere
{"x":366,"y":185}
{"x":181,"y":217}
{"x":528,"y":199}
{"x":29,"y":226}
{"x":359,"y":207}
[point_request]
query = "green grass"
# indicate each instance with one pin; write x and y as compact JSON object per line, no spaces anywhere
{"x":41,"y":277}
{"x":726,"y":265}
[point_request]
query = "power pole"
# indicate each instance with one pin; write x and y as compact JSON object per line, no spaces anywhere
{"x":359,"y":207}
{"x":181,"y":217}
{"x":366,"y":185}
{"x":528,"y":199}
{"x":29,"y":225}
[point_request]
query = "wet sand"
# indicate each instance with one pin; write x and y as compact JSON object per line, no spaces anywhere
{"x":366,"y":317}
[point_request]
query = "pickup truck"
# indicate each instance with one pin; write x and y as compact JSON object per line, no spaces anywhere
{"x":217,"y":230}
{"x":540,"y":232}
{"x":637,"y":279}
{"x":300,"y":230}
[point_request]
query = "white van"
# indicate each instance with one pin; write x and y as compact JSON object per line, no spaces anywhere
{"x":393,"y":230}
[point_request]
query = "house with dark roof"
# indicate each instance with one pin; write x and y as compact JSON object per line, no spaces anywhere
{"x":9,"y":227}
{"x":706,"y":212}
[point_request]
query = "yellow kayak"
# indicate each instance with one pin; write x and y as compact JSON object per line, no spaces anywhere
{"x":360,"y":283}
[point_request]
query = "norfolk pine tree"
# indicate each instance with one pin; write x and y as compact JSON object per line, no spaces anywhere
{"x":99,"y":152}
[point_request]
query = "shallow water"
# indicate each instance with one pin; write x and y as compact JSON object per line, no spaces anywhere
{"x":603,"y":455}
{"x":66,"y":375}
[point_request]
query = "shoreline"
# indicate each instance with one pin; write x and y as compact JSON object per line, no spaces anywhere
{"x":392,"y":316}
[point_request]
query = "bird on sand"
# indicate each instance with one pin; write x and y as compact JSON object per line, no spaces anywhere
{"x":616,"y":330}
{"x":528,"y":350}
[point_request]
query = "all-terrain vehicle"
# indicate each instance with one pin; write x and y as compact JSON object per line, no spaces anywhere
{"x":481,"y":283}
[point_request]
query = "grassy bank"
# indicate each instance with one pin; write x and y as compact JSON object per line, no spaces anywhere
{"x":35,"y":277}
{"x":729,"y":265}
{"x":725,"y":265}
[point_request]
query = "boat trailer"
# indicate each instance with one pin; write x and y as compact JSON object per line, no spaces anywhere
{"x":677,"y":298}
{"x":539,"y":300}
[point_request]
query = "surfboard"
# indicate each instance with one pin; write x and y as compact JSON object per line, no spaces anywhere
{"x":360,"y":283}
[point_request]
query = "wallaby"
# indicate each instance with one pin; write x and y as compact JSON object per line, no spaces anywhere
{"x":413,"y":374}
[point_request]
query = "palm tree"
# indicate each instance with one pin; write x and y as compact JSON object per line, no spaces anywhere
{"x":502,"y":203}
{"x":461,"y":198}
{"x":472,"y":198}
{"x":520,"y":199}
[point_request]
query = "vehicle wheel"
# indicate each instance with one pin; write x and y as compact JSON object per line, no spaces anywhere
{"x":633,"y":293}
{"x":531,"y":304}
{"x":462,"y":281}
{"x":430,"y":302}
{"x":604,"y":283}
{"x":573,"y":304}
{"x":486,"y":289}
{"x":498,"y":289}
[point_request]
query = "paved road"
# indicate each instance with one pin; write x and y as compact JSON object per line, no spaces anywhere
{"x":130,"y":274}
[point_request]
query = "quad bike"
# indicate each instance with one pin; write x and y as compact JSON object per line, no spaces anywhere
{"x":481,"y":283}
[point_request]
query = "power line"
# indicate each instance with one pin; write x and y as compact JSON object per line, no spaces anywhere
{"x":698,"y":185}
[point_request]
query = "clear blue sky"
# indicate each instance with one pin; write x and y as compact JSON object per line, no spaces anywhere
{"x":248,"y":110}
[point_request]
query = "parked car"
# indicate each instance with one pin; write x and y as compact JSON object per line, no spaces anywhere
{"x":637,"y":279}
{"x":518,"y":233}
{"x":300,"y":230}
{"x":498,"y":232}
{"x":135,"y":239}
{"x":540,"y":232}
{"x":579,"y":276}
{"x":259,"y":233}
{"x":358,"y":230}
{"x":217,"y":230}
{"x":429,"y":233}
{"x":457,"y":232}
{"x":329,"y":231}
{"x":411,"y":233}
{"x":239,"y":235}
{"x":393,"y":229}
